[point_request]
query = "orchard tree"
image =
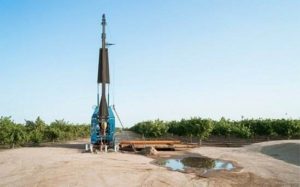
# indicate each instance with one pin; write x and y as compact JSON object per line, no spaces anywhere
{"x":36,"y":130}
{"x":6,"y":125}
{"x":201,"y":128}
{"x":17,"y":136}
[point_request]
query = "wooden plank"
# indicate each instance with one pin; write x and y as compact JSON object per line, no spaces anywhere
{"x":159,"y":146}
{"x":135,"y":142}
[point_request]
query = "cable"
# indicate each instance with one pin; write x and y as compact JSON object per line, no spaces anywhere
{"x":118,"y":116}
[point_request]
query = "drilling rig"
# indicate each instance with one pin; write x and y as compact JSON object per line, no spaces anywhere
{"x":103,"y":119}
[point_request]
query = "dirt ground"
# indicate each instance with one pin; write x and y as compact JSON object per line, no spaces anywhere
{"x":66,"y":165}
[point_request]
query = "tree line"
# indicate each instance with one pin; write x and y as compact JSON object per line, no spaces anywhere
{"x":35,"y":132}
{"x":204,"y":128}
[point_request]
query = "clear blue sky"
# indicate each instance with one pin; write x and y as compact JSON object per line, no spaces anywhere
{"x":173,"y":59}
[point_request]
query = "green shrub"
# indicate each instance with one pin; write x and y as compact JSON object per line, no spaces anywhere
{"x":154,"y":128}
{"x":200,"y":128}
{"x":176,"y":127}
{"x":246,"y":128}
{"x":229,"y":128}
{"x":6,"y":125}
{"x":222,"y":127}
{"x":10,"y":133}
{"x":287,"y":128}
{"x":239,"y":130}
{"x":38,"y":131}
{"x":17,"y":136}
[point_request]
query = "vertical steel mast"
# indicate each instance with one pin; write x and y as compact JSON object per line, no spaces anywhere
{"x":103,"y":78}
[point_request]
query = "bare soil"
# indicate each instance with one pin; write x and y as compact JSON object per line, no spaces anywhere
{"x":67,"y":165}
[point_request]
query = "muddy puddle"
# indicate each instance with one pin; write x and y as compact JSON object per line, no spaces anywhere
{"x":199,"y":165}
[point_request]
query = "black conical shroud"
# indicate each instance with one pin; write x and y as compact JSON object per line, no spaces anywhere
{"x":100,"y":71}
{"x":103,"y":109}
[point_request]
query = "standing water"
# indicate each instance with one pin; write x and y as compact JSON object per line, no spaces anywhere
{"x":197,"y":162}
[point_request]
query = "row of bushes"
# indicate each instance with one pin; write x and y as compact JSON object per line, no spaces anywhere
{"x":35,"y":132}
{"x":249,"y":128}
{"x":203,"y":128}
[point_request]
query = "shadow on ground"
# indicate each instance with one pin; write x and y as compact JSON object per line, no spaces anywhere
{"x":79,"y":145}
{"x":66,"y":145}
{"x":288,"y":152}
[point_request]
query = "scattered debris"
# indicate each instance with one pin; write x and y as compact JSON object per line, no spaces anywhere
{"x":149,"y":151}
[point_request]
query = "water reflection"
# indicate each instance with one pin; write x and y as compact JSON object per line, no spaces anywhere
{"x":197,"y":162}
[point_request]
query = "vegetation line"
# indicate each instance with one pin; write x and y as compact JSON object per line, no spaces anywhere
{"x":36,"y":132}
{"x":204,"y":128}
